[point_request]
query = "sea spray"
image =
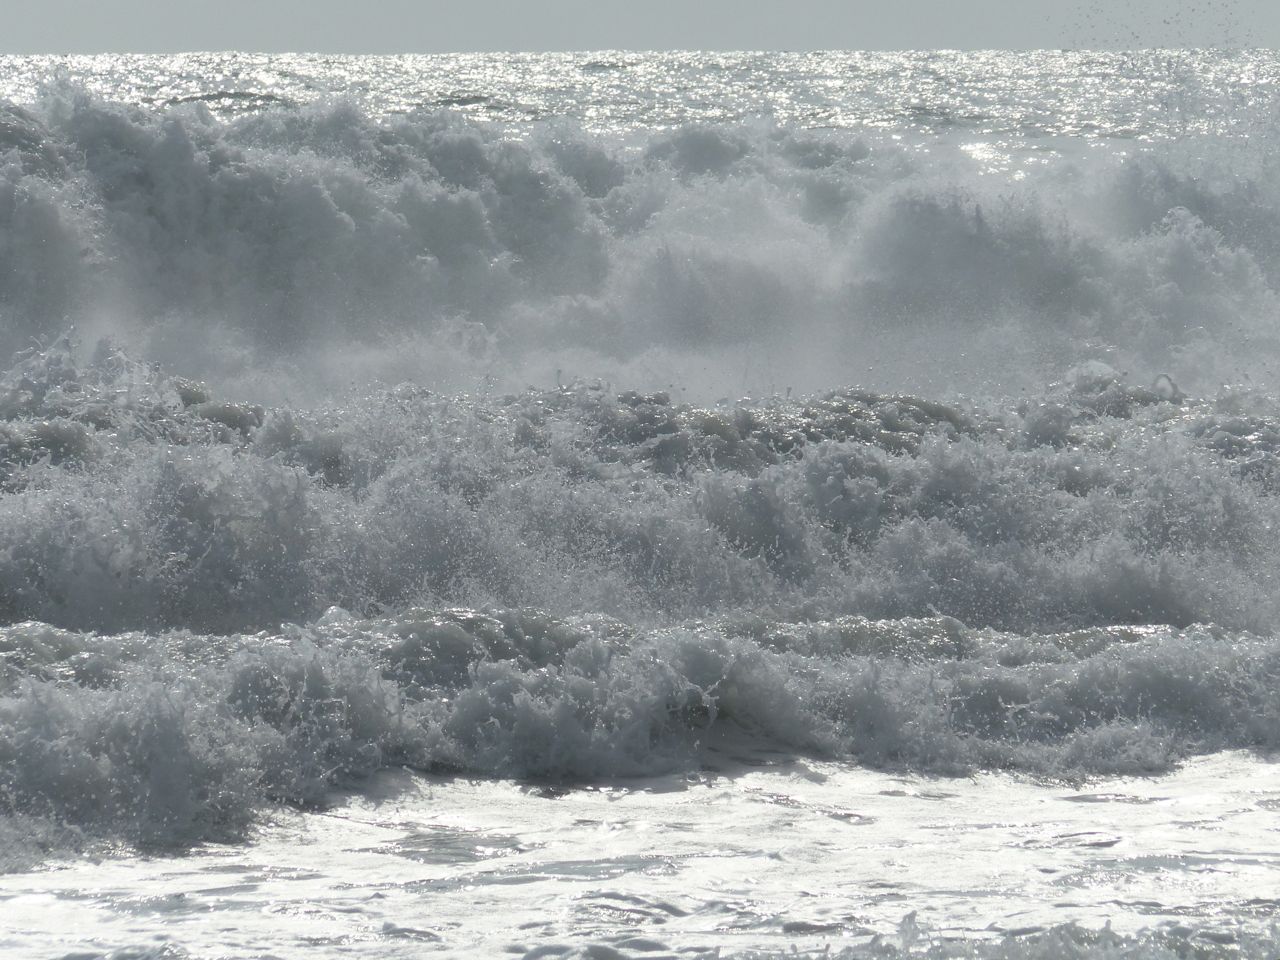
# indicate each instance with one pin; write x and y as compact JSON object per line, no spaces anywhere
{"x":135,"y":500}
{"x":293,"y":250}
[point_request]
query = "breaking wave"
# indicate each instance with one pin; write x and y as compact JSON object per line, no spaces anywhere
{"x":320,"y":247}
{"x":133,"y":500}
{"x":577,"y":583}
{"x":239,"y":567}
{"x":172,"y":739}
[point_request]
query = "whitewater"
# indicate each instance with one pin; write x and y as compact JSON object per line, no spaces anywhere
{"x":637,"y":505}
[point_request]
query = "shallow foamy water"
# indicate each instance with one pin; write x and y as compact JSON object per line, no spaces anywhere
{"x":759,"y":854}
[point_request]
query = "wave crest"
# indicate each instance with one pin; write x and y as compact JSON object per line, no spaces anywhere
{"x":307,"y":232}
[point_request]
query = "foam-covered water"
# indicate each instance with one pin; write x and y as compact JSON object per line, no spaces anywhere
{"x":603,"y":422}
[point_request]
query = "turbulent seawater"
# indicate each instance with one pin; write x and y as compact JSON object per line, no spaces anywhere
{"x":625,"y":505}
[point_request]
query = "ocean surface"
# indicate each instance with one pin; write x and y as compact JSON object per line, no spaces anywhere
{"x":640,"y":505}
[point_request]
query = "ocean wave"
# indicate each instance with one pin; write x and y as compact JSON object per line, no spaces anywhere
{"x":884,"y":579}
{"x":596,"y":579}
{"x":304,"y":232}
{"x":166,"y":740}
{"x":137,"y":500}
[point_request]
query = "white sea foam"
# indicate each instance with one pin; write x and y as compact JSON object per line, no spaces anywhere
{"x":1001,"y":495}
{"x":321,"y":246}
{"x":741,"y":546}
{"x":173,"y":739}
{"x":136,"y":500}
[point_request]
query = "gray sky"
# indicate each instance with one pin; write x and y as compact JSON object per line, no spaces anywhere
{"x":427,"y":26}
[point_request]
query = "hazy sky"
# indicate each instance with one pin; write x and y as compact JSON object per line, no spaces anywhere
{"x":426,"y":26}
